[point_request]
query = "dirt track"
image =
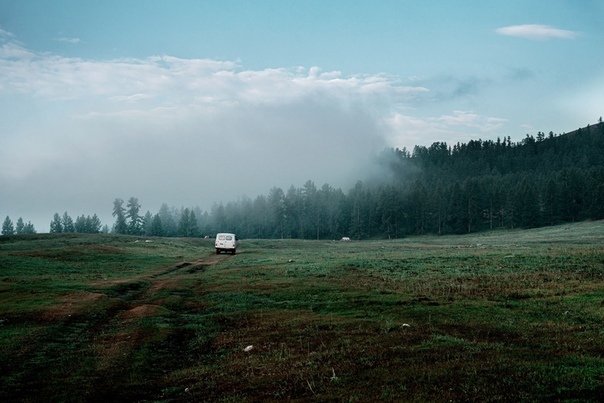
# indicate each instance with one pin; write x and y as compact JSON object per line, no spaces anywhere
{"x":159,"y":280}
{"x":195,"y":265}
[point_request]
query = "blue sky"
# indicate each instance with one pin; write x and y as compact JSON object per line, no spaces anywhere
{"x":106,"y":99}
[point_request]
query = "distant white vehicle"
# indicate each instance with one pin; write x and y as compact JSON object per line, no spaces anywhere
{"x":226,"y":242}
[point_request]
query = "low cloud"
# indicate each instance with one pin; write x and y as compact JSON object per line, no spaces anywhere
{"x":72,"y":41}
{"x":460,"y":126}
{"x":182,"y":131}
{"x":536,"y":32}
{"x":81,"y":132}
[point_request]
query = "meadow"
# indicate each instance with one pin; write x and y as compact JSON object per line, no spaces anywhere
{"x":497,"y":316}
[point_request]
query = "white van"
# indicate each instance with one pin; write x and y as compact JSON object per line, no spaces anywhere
{"x":226,"y":242}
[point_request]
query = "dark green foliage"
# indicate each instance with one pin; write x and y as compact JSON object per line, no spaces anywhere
{"x":23,"y":228}
{"x":188,"y":226}
{"x":19,"y":227}
{"x":83,"y":224}
{"x":439,"y":189}
{"x":465,"y":188}
{"x":8,"y":227}
{"x":156,"y":226}
{"x":88,"y":224}
{"x":135,"y":221}
{"x":56,"y":226}
{"x":68,"y":225}
{"x":119,"y":212}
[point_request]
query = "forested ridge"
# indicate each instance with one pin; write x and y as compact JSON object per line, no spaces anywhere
{"x":441,"y":189}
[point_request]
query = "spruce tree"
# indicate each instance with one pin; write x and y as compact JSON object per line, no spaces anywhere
{"x":183,"y":224}
{"x":29,"y":228}
{"x":94,"y":224}
{"x":55,"y":225}
{"x":67,"y":221}
{"x":156,"y":226}
{"x":20,"y":226}
{"x":8,"y":227}
{"x":135,"y":221}
{"x":120,"y":226}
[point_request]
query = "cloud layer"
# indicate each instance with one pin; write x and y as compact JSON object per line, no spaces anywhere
{"x":181,"y":131}
{"x":80,"y":132}
{"x":536,"y":32}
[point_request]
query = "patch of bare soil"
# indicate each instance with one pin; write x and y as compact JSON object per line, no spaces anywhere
{"x":115,"y":347}
{"x":143,"y":311}
{"x":195,"y":265}
{"x":162,"y":280}
{"x":71,"y":304}
{"x":190,"y":266}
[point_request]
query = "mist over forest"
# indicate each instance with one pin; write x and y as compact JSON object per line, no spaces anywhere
{"x":441,"y":189}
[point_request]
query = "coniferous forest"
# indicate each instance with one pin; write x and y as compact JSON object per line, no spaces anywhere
{"x":441,"y":189}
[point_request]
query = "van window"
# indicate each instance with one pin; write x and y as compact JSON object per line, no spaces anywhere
{"x":229,"y":238}
{"x":221,"y":237}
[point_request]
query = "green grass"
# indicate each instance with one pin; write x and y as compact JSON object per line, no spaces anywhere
{"x":499,"y":316}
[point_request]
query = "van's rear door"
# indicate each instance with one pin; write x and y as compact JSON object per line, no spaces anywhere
{"x":229,"y":241}
{"x":220,"y":241}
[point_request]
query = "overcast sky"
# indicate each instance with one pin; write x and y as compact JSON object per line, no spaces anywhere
{"x":191,"y":102}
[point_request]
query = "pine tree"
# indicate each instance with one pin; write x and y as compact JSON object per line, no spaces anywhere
{"x":80,"y":224}
{"x":277,"y":215}
{"x":310,"y":224}
{"x":94,"y":224}
{"x":551,"y":205}
{"x":134,"y":219}
{"x":388,"y":209}
{"x":193,"y":225}
{"x":8,"y":227}
{"x":596,"y":198}
{"x":68,"y":225}
{"x":528,"y":203}
{"x":156,"y":226}
{"x":29,"y":228}
{"x":184,"y":223}
{"x":20,"y":225}
{"x":168,"y":221}
{"x":357,"y":198}
{"x":219,"y":217}
{"x":457,"y":210}
{"x":147,"y":221}
{"x":293,"y":210}
{"x":55,"y":225}
{"x":120,"y":226}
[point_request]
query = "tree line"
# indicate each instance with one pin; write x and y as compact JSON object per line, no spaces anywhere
{"x":59,"y":224}
{"x":82,"y":224}
{"x":441,"y":189}
{"x":9,"y":228}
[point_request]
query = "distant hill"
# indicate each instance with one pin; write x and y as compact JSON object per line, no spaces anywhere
{"x":543,"y":180}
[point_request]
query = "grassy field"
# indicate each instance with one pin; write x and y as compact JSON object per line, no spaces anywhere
{"x":500,"y":316}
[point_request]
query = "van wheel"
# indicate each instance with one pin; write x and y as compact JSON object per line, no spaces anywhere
{"x":218,"y":251}
{"x":234,"y":251}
